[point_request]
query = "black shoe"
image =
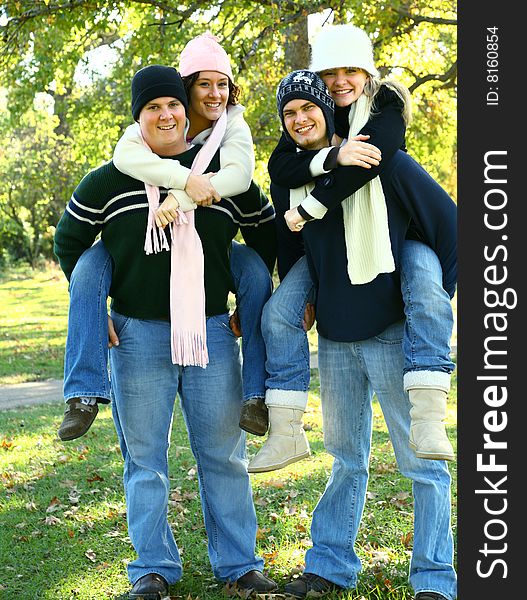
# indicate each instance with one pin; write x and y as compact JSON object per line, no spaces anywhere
{"x":149,"y":587}
{"x":309,"y":585}
{"x":78,"y":418}
{"x":429,"y":596}
{"x":254,"y":417}
{"x":251,"y":584}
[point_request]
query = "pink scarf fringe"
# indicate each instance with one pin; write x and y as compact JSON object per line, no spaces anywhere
{"x":188,"y":325}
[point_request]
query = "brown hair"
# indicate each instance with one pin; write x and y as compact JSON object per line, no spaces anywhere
{"x":234,"y":90}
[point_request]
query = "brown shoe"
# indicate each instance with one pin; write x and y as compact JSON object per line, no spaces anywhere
{"x":254,"y":417}
{"x":250,"y":585}
{"x":78,"y":418}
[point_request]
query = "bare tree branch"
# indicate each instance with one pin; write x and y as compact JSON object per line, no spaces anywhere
{"x":403,"y":12}
{"x":448,"y":78}
{"x":268,"y":30}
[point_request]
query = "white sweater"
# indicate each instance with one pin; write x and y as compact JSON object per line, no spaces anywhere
{"x":133,"y":158}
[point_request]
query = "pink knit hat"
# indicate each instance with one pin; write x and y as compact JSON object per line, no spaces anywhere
{"x":203,"y":53}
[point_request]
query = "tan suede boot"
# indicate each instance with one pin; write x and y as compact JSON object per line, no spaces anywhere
{"x":286,"y":442}
{"x":428,"y":436}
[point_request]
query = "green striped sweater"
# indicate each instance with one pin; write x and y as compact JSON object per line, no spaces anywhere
{"x":115,"y":205}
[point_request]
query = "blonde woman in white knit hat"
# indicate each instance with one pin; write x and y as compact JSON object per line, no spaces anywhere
{"x":372,"y":114}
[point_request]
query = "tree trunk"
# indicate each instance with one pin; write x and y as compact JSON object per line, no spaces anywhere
{"x":297,"y":45}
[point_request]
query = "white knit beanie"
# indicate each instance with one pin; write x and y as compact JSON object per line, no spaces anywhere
{"x":342,"y":46}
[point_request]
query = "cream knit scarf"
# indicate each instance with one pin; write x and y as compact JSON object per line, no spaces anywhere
{"x":368,"y":246}
{"x":187,"y":285}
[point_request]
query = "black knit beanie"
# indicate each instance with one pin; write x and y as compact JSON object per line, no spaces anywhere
{"x":156,"y":81}
{"x":306,"y":85}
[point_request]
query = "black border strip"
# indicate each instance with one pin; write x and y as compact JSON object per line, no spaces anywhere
{"x":492,"y":355}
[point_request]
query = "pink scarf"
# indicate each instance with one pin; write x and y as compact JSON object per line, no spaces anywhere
{"x":187,"y":286}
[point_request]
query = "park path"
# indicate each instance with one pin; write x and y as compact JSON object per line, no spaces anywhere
{"x":20,"y":395}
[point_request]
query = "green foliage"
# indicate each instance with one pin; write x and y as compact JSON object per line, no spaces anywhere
{"x":81,"y":55}
{"x":36,"y":165}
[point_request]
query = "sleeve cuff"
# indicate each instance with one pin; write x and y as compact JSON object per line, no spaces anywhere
{"x":313,"y":207}
{"x":185,"y":203}
{"x":303,"y":213}
{"x":179,"y":178}
{"x":316,"y":166}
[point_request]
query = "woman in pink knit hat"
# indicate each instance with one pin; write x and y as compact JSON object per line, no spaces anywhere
{"x":216,"y":122}
{"x":213,"y":105}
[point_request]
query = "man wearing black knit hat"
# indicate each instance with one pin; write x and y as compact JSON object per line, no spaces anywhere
{"x":145,"y":381}
{"x":156,"y":81}
{"x":305,"y":108}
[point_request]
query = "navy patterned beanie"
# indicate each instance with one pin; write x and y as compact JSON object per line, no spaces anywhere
{"x":306,"y":85}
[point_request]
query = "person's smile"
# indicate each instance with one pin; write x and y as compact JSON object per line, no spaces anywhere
{"x":345,"y":84}
{"x":162,"y":124}
{"x":304,"y":129}
{"x":305,"y":123}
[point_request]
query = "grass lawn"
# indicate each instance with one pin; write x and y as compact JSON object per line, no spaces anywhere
{"x":63,"y":531}
{"x":32,"y":324}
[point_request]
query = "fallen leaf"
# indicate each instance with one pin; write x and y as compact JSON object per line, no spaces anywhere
{"x":90,"y":555}
{"x":261,"y":533}
{"x":275,"y":483}
{"x":259,"y":501}
{"x":54,"y":505}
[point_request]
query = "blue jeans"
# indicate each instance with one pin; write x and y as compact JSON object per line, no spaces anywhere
{"x":254,"y":287}
{"x":350,"y":373}
{"x":286,"y":341}
{"x":86,"y":356}
{"x":144,"y":388}
{"x":428,"y":329}
{"x":429,"y":317}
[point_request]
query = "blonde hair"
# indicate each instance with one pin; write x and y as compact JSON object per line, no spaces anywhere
{"x":373,"y":85}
